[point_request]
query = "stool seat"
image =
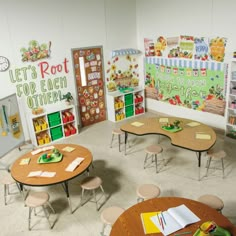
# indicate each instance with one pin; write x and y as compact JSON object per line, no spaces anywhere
{"x":91,"y":183}
{"x":110,"y":215}
{"x":37,"y":199}
{"x":212,"y":201}
{"x":215,"y":156}
{"x":7,"y":179}
{"x":116,"y":132}
{"x":151,"y":153}
{"x":154,"y":149}
{"x":220,"y":154}
{"x":147,"y":191}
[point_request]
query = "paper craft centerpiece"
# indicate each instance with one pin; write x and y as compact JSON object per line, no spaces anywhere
{"x":49,"y":157}
{"x":211,"y":228}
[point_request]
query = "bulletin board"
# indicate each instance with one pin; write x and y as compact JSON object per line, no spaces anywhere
{"x":11,"y":132}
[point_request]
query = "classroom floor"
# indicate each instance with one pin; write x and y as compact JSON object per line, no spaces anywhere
{"x":121,"y":175}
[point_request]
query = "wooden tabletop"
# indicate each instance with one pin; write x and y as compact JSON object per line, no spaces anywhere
{"x":20,"y":172}
{"x":129,"y":223}
{"x":185,"y":138}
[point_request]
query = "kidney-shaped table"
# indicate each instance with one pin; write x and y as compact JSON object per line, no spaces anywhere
{"x":193,"y":135}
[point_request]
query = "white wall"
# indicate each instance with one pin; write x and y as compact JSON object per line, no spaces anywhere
{"x":188,"y":17}
{"x":67,"y":24}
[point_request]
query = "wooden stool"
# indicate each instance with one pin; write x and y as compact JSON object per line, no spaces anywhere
{"x":152,"y":152}
{"x":38,"y":199}
{"x":147,"y":191}
{"x":212,"y":201}
{"x":91,"y":183}
{"x":216,"y":156}
{"x":7,"y":181}
{"x":118,"y":133}
{"x":110,"y":215}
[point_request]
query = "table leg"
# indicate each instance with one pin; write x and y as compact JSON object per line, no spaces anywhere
{"x":126,"y":139}
{"x":199,"y":164}
{"x":66,"y":188}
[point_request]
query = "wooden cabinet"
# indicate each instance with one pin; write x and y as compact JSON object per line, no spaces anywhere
{"x":231,"y":103}
{"x":125,"y":105}
{"x":51,"y":126}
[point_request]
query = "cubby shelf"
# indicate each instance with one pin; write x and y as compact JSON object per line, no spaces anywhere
{"x":54,"y":125}
{"x":230,"y":130}
{"x":125,"y":105}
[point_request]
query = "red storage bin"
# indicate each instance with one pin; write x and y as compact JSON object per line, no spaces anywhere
{"x":67,"y":131}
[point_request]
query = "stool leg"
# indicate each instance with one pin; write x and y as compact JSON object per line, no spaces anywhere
{"x":95,"y":199}
{"x":119,"y":141}
{"x":156,"y":163}
{"x":139,"y":199}
{"x":103,"y":229}
{"x":29,"y":219}
{"x":208,"y":164}
{"x":5,"y":194}
{"x":47,"y":216}
{"x":112,"y":137}
{"x":82,"y":196}
{"x":50,"y":206}
{"x":223,"y":168}
{"x":145,"y":160}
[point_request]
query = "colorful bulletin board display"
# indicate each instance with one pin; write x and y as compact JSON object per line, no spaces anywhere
{"x":199,"y":85}
{"x":188,"y":47}
{"x":122,"y":72}
{"x":11,"y":135}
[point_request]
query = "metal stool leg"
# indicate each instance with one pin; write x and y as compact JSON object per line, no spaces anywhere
{"x":119,"y":141}
{"x":156,"y":163}
{"x":47,"y":216}
{"x":82,"y":196}
{"x":29,"y":219}
{"x":5,"y":193}
{"x":223,"y":168}
{"x":208,"y":164}
{"x":145,"y":160}
{"x":112,"y":137}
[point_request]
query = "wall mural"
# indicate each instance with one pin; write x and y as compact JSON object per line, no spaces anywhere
{"x":192,"y":84}
{"x":187,"y":71}
{"x":35,"y":51}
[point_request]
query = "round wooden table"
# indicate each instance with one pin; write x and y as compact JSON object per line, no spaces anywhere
{"x":129,"y":223}
{"x":20,"y":172}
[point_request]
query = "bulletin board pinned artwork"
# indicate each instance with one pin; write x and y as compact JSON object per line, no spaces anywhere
{"x":196,"y":85}
{"x":123,"y":70}
{"x":11,"y":135}
{"x":188,"y":47}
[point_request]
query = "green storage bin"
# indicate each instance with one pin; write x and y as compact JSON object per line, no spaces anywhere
{"x":129,"y":113}
{"x":129,"y":109}
{"x":54,"y":119}
{"x":56,"y":133}
{"x":129,"y":99}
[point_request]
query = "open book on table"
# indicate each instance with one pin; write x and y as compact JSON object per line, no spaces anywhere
{"x":174,"y":219}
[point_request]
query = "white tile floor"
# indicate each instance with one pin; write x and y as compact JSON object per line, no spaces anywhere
{"x":121,"y":175}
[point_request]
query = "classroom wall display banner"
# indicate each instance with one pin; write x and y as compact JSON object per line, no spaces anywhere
{"x":42,"y":83}
{"x":188,"y":47}
{"x":198,"y":85}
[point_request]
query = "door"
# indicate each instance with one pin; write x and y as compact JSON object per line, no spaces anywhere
{"x":88,"y":72}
